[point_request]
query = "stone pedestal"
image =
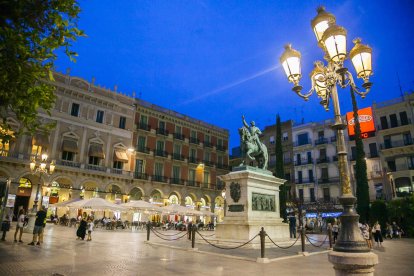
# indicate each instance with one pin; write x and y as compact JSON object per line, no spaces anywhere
{"x":30,"y":224}
{"x":350,"y":264}
{"x":252,"y":197}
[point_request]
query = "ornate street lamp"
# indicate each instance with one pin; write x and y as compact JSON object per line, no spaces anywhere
{"x":325,"y":78}
{"x":41,"y":169}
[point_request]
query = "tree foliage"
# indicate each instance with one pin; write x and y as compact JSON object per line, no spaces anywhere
{"x":402,"y":212}
{"x":362,"y":189}
{"x":280,"y":172}
{"x":30,"y":33}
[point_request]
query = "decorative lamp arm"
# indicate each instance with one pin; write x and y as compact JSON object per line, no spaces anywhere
{"x":366,"y":85}
{"x":306,"y":96}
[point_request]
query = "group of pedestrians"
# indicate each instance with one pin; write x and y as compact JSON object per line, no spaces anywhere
{"x":85,"y":225}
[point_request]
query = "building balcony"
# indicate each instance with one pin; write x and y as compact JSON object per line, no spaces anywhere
{"x":194,"y":140}
{"x":321,"y":141}
{"x":120,"y":171}
{"x":193,"y":183}
{"x":208,"y":163}
{"x":179,"y":136}
{"x":304,"y":161}
{"x":177,"y":181}
{"x":95,"y":168}
{"x":143,"y":126}
{"x":394,"y":125}
{"x":323,"y":160}
{"x":302,"y":143}
{"x":402,"y":167}
{"x":161,"y":153}
{"x":142,"y":149}
{"x":140,"y":175}
{"x":159,"y":178}
{"x":68,"y":163}
{"x":372,"y":155}
{"x":396,"y":144}
{"x":328,"y":180}
{"x":193,"y":160}
{"x":162,"y":131}
{"x":304,"y":180}
{"x":208,"y":144}
{"x":177,"y":156}
{"x":221,"y":148}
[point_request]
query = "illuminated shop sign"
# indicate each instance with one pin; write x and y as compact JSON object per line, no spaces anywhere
{"x":366,"y":121}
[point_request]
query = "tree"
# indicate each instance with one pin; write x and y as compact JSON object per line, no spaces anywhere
{"x":30,"y":33}
{"x":362,"y":189}
{"x":279,"y":171}
{"x":378,"y":212}
{"x":402,"y":212}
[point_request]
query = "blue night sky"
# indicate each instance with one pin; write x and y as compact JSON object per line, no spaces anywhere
{"x":217,"y":60}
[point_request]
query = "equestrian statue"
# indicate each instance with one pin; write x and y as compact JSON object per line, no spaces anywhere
{"x":251,"y":146}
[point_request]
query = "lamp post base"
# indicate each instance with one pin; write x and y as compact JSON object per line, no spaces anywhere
{"x":350,"y":264}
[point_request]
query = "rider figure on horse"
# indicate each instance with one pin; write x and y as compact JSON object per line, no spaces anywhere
{"x":254,"y":132}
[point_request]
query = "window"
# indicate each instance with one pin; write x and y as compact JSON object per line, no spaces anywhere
{"x":301,"y":195}
{"x":193,"y":134}
{"x":139,"y":166}
{"x":177,"y":149}
{"x":178,"y":129}
{"x":176,"y":172}
{"x":393,"y":120}
{"x":403,"y":118}
{"x":373,"y":150}
{"x":326,"y":195}
{"x":310,"y":172}
{"x":407,"y":138}
{"x":387,"y":142}
{"x":193,"y":153}
{"x":391,"y":165}
{"x":322,"y":154}
{"x":378,"y":191}
{"x":191,"y":176}
{"x":118,"y":165}
{"x":142,"y":143}
{"x":220,"y":160}
{"x":220,"y":142}
{"x":303,"y":139}
{"x":206,"y":177}
{"x":298,"y":159}
{"x":384,"y":123}
{"x":285,"y":136}
{"x":272,"y":140}
{"x":159,"y":169}
{"x":161,"y":125}
{"x":75,"y":110}
{"x":93,"y":160}
{"x":300,"y":177}
{"x":321,"y":134}
{"x":67,"y":155}
{"x":99,"y":116}
{"x":324,"y":174}
{"x":122,"y":122}
{"x":207,"y":139}
{"x":312,"y":194}
{"x":207,"y":156}
{"x":309,"y":155}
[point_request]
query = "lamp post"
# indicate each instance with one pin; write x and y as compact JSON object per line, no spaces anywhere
{"x":223,"y":194}
{"x":40,"y":168}
{"x":325,"y":78}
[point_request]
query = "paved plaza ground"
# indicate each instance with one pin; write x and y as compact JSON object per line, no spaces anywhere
{"x":124,"y":252}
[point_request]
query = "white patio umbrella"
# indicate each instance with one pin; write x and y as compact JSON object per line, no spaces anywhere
{"x":142,"y":206}
{"x":181,"y":210}
{"x":65,"y":203}
{"x":95,"y":204}
{"x":207,"y":213}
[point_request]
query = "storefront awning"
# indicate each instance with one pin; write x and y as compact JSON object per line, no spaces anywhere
{"x":96,"y":150}
{"x":70,"y":146}
{"x":40,"y":140}
{"x":121,"y":156}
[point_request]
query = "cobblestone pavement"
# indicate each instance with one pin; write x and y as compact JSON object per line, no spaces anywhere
{"x":124,"y":253}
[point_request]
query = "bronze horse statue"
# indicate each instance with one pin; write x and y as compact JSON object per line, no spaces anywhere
{"x":252,"y":150}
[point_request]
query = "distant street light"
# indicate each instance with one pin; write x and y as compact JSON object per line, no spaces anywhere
{"x":41,"y":169}
{"x":332,"y":39}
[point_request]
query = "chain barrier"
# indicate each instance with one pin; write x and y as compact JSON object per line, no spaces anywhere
{"x":219,"y":247}
{"x":155,"y":233}
{"x":309,"y":240}
{"x":284,"y":247}
{"x":166,"y":235}
{"x":207,"y":235}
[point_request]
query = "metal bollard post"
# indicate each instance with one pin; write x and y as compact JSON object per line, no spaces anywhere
{"x":330,"y":237}
{"x":193,"y":236}
{"x":189,"y":230}
{"x":302,"y":238}
{"x":262,"y":234}
{"x":148,"y":230}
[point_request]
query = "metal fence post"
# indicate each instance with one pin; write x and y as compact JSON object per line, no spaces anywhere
{"x":262,"y":234}
{"x":148,"y":230}
{"x":189,"y":230}
{"x":302,"y":238}
{"x":194,"y":227}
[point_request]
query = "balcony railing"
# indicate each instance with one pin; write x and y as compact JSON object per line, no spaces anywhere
{"x":159,"y":178}
{"x":326,"y":180}
{"x":162,"y":131}
{"x":177,"y":181}
{"x":193,"y":160}
{"x":208,"y":163}
{"x":396,"y":144}
{"x":177,"y":156}
{"x":321,"y":141}
{"x":68,"y":163}
{"x":143,"y":126}
{"x":303,"y":161}
{"x":194,"y":140}
{"x":221,"y":148}
{"x":95,"y":168}
{"x":143,"y":149}
{"x":372,"y":154}
{"x":119,"y":171}
{"x":304,"y":180}
{"x":322,"y":160}
{"x":208,"y":144}
{"x":179,"y":136}
{"x":302,"y":143}
{"x":140,"y":175}
{"x":161,"y":153}
{"x":396,"y":124}
{"x":193,"y":183}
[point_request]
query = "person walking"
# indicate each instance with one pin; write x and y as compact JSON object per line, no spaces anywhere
{"x":365,"y":234}
{"x":335,"y":231}
{"x":90,"y":229}
{"x":5,"y":227}
{"x":19,"y":226}
{"x":377,"y":234}
{"x":81,"y":232}
{"x":38,"y":227}
{"x":292,"y":226}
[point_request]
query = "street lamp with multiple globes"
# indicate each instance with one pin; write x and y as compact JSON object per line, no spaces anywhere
{"x":325,"y":78}
{"x":41,"y":169}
